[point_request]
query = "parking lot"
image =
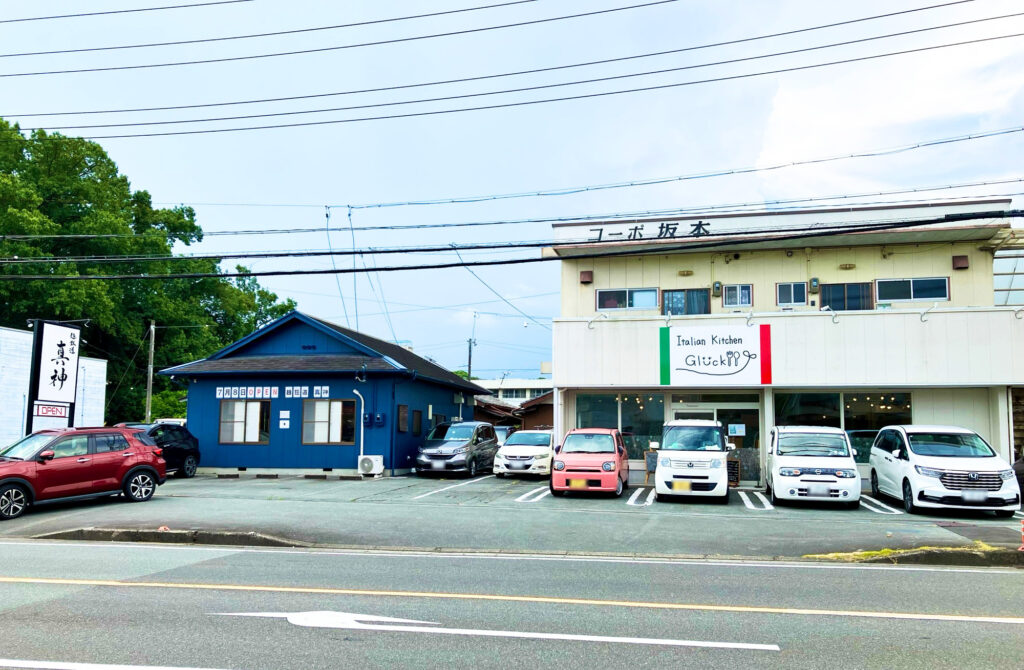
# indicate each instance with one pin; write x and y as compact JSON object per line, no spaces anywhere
{"x":490,"y":514}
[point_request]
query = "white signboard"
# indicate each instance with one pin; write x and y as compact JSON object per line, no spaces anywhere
{"x":58,"y":363}
{"x":716,"y":355}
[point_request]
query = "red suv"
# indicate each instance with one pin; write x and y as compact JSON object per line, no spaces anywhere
{"x":52,"y":465}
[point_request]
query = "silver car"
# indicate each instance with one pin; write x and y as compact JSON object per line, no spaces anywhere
{"x":465,"y":447}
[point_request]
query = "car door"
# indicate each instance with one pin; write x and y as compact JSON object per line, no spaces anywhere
{"x":773,"y":437}
{"x":490,"y":444}
{"x":883,"y":461}
{"x":109,"y":453}
{"x":167,"y":439}
{"x":69,"y":472}
{"x":900,"y":462}
{"x":623,"y":457}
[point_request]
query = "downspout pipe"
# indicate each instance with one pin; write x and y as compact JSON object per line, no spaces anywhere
{"x":362,"y":424}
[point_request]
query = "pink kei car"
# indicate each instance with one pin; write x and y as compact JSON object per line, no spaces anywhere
{"x":590,"y":459}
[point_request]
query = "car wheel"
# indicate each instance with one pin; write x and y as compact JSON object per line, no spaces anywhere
{"x":774,"y":499}
{"x":619,"y":488}
{"x":855,"y":504}
{"x":1004,"y":513}
{"x":499,"y":475}
{"x":724,"y":500}
{"x":472,"y":468}
{"x":188,"y":467}
{"x":554,"y":491}
{"x":908,"y":499}
{"x":13,"y":501}
{"x":140,"y":486}
{"x":875,"y":491}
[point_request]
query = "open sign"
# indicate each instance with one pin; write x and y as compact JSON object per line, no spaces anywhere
{"x":56,"y":411}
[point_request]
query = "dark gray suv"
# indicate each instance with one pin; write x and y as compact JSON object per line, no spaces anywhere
{"x":464,"y":446}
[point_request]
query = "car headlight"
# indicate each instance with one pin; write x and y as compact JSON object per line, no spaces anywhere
{"x":847,"y":474}
{"x":1006,"y":474}
{"x":666,"y":462}
{"x":608,"y":466}
{"x":559,"y":465}
{"x":928,"y":472}
{"x":717,"y":463}
{"x":789,"y":472}
{"x":460,"y":450}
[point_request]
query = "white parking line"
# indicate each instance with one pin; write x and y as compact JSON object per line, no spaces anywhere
{"x":746,"y":500}
{"x":871,"y":503}
{"x":453,"y":486}
{"x":60,"y":665}
{"x":1019,"y":515}
{"x":635,"y":498}
{"x":526,"y":497}
{"x":767,"y":504}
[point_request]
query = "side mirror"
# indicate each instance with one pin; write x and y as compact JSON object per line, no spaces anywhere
{"x":654,"y":446}
{"x":46,"y":456}
{"x":558,"y":448}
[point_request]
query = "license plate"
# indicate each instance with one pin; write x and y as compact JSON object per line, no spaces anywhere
{"x":974,"y":496}
{"x":818,"y":490}
{"x":682,"y":485}
{"x":517,"y":466}
{"x":437,"y":465}
{"x":577,"y":483}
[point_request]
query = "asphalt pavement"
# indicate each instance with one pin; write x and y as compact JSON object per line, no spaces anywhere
{"x":139,"y":606}
{"x":518,"y":515}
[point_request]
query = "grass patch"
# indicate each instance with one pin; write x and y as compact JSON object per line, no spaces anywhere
{"x":856,"y":556}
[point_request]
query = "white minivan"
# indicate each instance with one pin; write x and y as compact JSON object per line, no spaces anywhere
{"x":691,"y":460}
{"x":942,"y":466}
{"x":812,"y":463}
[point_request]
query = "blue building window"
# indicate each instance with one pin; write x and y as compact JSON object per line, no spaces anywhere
{"x":245,"y":422}
{"x":328,"y":421}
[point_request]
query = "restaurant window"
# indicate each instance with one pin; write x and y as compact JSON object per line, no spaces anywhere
{"x":403,"y":418}
{"x":866,"y":412}
{"x":245,"y":421}
{"x":643,"y":416}
{"x":807,"y":409}
{"x":843,"y":297}
{"x":597,"y":411}
{"x":738,"y":295}
{"x":328,"y":421}
{"x":686,"y":301}
{"x":897,"y":290}
{"x":791,"y":294}
{"x":417,"y":422}
{"x":688,"y":398}
{"x":631,"y":298}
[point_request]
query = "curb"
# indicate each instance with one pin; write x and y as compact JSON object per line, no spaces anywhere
{"x":224,"y":538}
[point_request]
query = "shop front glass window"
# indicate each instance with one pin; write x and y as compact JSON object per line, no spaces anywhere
{"x":867,"y":412}
{"x":807,"y":409}
{"x":643,"y":415}
{"x":597,"y":411}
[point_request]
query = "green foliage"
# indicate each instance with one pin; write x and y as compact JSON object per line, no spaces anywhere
{"x":464,"y":375}
{"x":55,"y":185}
{"x":169,"y":404}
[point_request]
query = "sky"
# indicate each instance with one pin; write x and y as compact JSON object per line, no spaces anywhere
{"x":283,"y":178}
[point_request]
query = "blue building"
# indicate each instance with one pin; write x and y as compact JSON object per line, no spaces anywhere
{"x":307,"y":394}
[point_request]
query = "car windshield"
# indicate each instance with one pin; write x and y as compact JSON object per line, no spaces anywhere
{"x":27,"y":446}
{"x":954,"y":445}
{"x":449,"y":432}
{"x":588,"y":443}
{"x":693,"y":438}
{"x":812,"y":444}
{"x":529,"y":439}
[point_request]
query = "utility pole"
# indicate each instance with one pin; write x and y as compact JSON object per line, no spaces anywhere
{"x":149,"y":372}
{"x":471,"y":341}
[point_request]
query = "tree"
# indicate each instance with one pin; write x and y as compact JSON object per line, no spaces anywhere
{"x":53,"y":188}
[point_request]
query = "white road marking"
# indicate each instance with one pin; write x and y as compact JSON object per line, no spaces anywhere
{"x":355,"y":621}
{"x":1019,"y":515}
{"x":61,"y":665}
{"x":541,"y":490}
{"x":750,"y":505}
{"x":493,"y":556}
{"x":634,"y":499}
{"x":767,"y":504}
{"x":453,"y":486}
{"x":885,"y":509}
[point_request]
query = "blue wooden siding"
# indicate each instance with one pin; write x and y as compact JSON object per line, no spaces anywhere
{"x":294,"y":338}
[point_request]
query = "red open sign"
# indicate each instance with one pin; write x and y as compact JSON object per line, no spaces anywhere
{"x":58,"y":411}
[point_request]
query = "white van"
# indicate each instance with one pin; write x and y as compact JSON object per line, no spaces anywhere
{"x":812,"y":463}
{"x":942,"y":466}
{"x":691,"y":460}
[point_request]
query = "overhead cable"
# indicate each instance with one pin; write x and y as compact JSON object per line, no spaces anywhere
{"x":630,"y":251}
{"x":495,"y":292}
{"x":122,"y":11}
{"x":230,"y":59}
{"x":489,"y":76}
{"x":522,"y":89}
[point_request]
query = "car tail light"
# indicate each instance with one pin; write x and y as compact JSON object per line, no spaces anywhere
{"x":158,"y":451}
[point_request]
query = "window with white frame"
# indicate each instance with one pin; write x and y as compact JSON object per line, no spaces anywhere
{"x":738,"y":295}
{"x":627,"y":298}
{"x":791,"y":293}
{"x":328,"y":421}
{"x":245,"y":422}
{"x":924,"y":288}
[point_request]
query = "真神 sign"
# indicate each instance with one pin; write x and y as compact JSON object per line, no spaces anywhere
{"x":716,"y":355}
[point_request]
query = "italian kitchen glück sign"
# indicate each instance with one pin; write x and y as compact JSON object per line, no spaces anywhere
{"x":716,"y":355}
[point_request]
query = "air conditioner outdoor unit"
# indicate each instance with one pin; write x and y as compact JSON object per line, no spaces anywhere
{"x":371,"y":465}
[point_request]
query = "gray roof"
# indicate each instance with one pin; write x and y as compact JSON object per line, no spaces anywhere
{"x":305,"y":363}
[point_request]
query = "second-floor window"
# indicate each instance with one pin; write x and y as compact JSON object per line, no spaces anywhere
{"x":738,"y":295}
{"x":839,"y":297}
{"x":927,"y":288}
{"x":791,"y":294}
{"x":627,"y":298}
{"x":686,"y":301}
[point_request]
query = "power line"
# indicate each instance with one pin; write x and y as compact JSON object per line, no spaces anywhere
{"x":522,"y":89}
{"x":492,"y":290}
{"x":493,"y":76}
{"x":271,"y":34}
{"x":583,"y":96}
{"x":228,"y":59}
{"x":813,"y":232}
{"x":122,"y":11}
{"x":337,"y":278}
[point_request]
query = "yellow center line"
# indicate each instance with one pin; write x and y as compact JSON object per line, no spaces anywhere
{"x":312,"y":590}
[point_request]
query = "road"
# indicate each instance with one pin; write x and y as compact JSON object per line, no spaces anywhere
{"x":517,"y":515}
{"x":138,"y":605}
